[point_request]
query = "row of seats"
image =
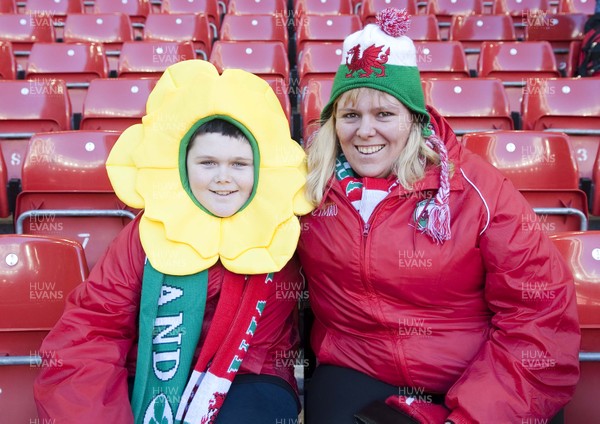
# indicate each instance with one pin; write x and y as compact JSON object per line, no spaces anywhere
{"x":33,"y":292}
{"x":140,"y":9}
{"x":66,"y":191}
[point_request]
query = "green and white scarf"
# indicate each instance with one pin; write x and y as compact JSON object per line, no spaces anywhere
{"x":171,"y":315}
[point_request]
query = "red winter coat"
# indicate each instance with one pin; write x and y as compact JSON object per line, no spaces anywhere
{"x":95,"y":341}
{"x":489,"y":317}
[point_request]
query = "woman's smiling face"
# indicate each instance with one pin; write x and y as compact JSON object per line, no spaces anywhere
{"x":372,"y":131}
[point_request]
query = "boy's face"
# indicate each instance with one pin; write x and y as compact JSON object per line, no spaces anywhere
{"x":221,"y":172}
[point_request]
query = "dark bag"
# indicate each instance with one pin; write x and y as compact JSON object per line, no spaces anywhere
{"x":589,"y":58}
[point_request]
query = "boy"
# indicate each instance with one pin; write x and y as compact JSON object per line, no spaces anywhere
{"x":195,"y":281}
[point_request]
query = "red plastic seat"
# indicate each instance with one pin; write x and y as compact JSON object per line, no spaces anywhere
{"x":470,"y":104}
{"x":282,"y":91}
{"x":445,"y":10}
{"x":441,"y":59}
{"x":514,"y":62}
{"x":7,"y":61}
{"x":315,"y":92}
{"x":28,"y":107}
{"x":319,"y":58}
{"x":521,"y":11}
{"x":179,"y":28}
{"x":560,"y":30}
{"x":369,"y":8}
{"x":596,"y":186}
{"x":580,"y":250}
{"x":4,"y":207}
{"x":566,"y":105}
{"x":116,"y":104}
{"x":151,"y":58}
{"x":253,"y":28}
{"x":24,"y":30}
{"x":8,"y":6}
{"x":323,"y":7}
{"x":56,"y":9}
{"x":75,"y":63}
{"x":109,"y":29}
{"x":543,"y":168}
{"x":576,"y":6}
{"x":472,"y":30}
{"x":326,"y":28}
{"x":137,"y":10}
{"x":33,"y":290}
{"x":262,"y":7}
{"x":423,"y":28}
{"x":259,"y":57}
{"x":209,"y":7}
{"x":66,"y":191}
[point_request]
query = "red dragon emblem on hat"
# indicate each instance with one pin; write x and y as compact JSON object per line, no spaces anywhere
{"x":372,"y":58}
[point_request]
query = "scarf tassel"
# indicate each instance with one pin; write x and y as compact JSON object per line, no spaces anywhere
{"x":438,"y":225}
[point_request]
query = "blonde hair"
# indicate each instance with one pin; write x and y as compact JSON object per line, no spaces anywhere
{"x":324,"y":147}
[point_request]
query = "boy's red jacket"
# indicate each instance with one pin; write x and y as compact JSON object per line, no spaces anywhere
{"x":488,"y":318}
{"x":94,"y":345}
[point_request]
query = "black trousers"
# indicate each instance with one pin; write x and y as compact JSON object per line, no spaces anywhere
{"x":334,"y":394}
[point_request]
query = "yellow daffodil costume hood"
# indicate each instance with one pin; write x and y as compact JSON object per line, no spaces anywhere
{"x":147,"y":168}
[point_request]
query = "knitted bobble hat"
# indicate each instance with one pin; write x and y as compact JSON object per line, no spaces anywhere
{"x":380,"y":56}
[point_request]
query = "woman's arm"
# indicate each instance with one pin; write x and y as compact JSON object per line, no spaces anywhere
{"x":529,"y":367}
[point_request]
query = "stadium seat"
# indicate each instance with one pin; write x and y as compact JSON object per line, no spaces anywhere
{"x":423,"y":28}
{"x":318,"y":58}
{"x":472,"y":30}
{"x":576,"y":6}
{"x":595,"y":209}
{"x":559,"y":30}
{"x":566,"y":105}
{"x":326,"y":28}
{"x":445,"y":10}
{"x":520,"y":11}
{"x":28,"y":107}
{"x":4,"y":204}
{"x":109,"y":29}
{"x":542,"y":167}
{"x":369,"y":8}
{"x":24,"y":30}
{"x":7,"y":61}
{"x":470,"y":104}
{"x":315,"y":93}
{"x":323,"y":7}
{"x":57,"y":9}
{"x":514,"y":62}
{"x":209,"y":7}
{"x":181,"y":27}
{"x":33,"y":290}
{"x":259,"y":57}
{"x":282,"y":91}
{"x":150,"y":58}
{"x":136,"y":10}
{"x":115,"y":104}
{"x":262,"y":7}
{"x":441,"y":59}
{"x":66,"y":191}
{"x":75,"y":63}
{"x":581,"y":252}
{"x":253,"y":28}
{"x":8,"y":6}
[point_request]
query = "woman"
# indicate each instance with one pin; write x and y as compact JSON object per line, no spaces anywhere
{"x":427,"y":290}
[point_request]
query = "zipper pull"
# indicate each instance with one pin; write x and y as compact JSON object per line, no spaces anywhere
{"x":366,"y":229}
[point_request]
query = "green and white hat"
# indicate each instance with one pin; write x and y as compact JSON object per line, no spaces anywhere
{"x":380,"y":56}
